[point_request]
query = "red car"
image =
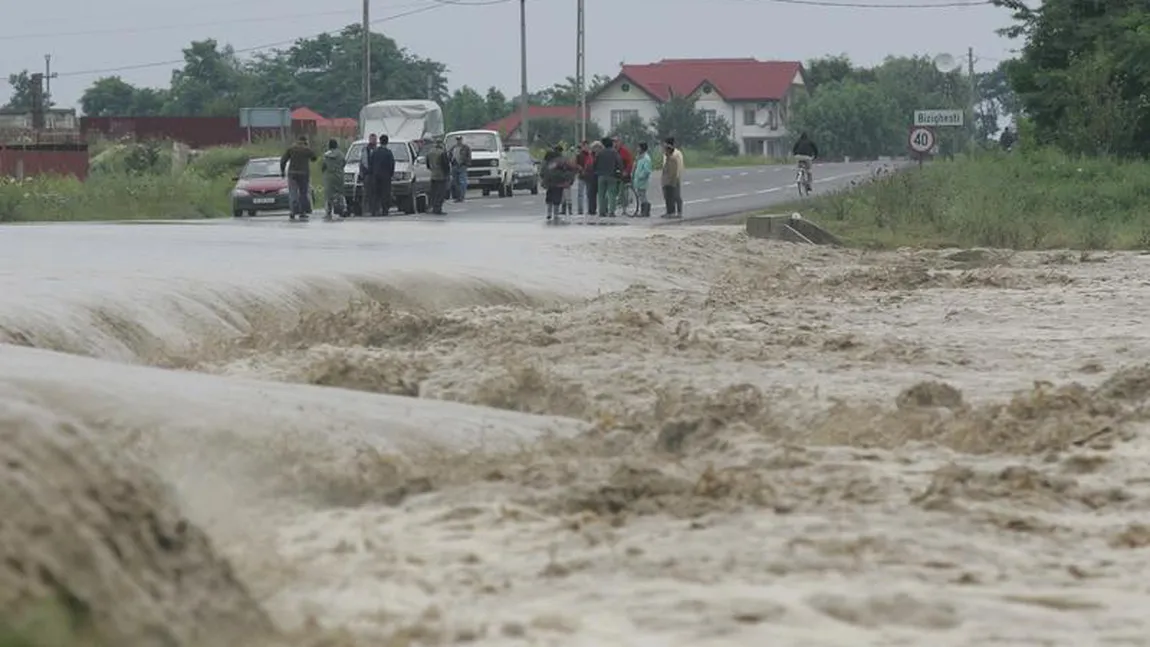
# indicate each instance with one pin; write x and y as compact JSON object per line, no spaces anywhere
{"x":259,"y":187}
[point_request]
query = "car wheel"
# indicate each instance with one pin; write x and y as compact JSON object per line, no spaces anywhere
{"x":486,"y":192}
{"x":535,"y":188}
{"x":252,"y":213}
{"x":421,"y":203}
{"x":238,"y":213}
{"x":408,"y":205}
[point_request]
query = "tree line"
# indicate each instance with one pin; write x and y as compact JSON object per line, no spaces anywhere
{"x":1080,"y":83}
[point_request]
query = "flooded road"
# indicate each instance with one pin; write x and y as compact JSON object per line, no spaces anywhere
{"x":488,"y":432}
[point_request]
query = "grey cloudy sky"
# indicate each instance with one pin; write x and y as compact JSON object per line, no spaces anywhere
{"x":480,"y":44}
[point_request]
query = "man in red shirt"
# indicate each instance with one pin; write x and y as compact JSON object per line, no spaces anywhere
{"x":628,"y":166}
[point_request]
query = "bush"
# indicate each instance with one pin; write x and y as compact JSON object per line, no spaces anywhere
{"x":116,"y":196}
{"x":1037,"y":200}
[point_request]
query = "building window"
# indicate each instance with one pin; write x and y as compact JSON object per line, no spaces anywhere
{"x":710,"y":115}
{"x":749,"y":117}
{"x":620,"y":116}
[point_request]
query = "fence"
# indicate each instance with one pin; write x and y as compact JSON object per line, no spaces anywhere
{"x":197,"y":132}
{"x":29,"y":160}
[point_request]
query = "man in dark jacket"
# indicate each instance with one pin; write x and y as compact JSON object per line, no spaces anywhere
{"x":608,"y":174}
{"x":439,"y":164}
{"x":368,"y":199}
{"x":295,"y":165}
{"x":380,"y":173}
{"x":805,"y":152}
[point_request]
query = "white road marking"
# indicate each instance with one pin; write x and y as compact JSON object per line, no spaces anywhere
{"x":726,"y":177}
{"x":744,"y":173}
{"x":770,"y":190}
{"x":708,"y":179}
{"x":731,"y":196}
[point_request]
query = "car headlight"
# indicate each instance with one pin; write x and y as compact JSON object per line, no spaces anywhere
{"x":402,"y":175}
{"x":240,"y":193}
{"x":493,"y":163}
{"x":284,"y":191}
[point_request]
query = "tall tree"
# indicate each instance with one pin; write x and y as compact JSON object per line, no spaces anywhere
{"x":1065,"y":41}
{"x":211,"y":83}
{"x":565,"y":93}
{"x":112,"y":96}
{"x":681,"y":119}
{"x":21,"y":98}
{"x":465,"y":110}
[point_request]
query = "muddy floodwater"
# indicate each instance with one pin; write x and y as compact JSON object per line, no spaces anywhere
{"x":433,"y":434}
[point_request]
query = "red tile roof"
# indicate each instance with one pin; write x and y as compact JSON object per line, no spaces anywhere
{"x":510,"y":123}
{"x":307,"y":114}
{"x":734,"y":79}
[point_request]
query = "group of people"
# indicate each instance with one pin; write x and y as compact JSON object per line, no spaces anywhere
{"x":601,"y":172}
{"x":448,"y":172}
{"x":376,"y":167}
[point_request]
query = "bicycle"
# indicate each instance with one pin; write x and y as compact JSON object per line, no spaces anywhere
{"x":803,"y":177}
{"x":628,"y":199}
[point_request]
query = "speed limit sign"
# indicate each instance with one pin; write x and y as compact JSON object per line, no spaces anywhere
{"x":921,"y":140}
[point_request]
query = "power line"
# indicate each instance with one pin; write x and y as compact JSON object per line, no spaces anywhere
{"x":436,"y":4}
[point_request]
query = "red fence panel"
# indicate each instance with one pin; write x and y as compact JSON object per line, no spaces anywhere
{"x":197,"y":132}
{"x":44,"y":159}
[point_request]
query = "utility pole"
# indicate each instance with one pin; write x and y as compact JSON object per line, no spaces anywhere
{"x":973,"y":98}
{"x":523,"y":112}
{"x":366,"y":52}
{"x":581,"y":72}
{"x":48,"y":76}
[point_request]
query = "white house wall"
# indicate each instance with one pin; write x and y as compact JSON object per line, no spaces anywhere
{"x":614,"y":98}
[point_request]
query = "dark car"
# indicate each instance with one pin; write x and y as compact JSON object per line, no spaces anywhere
{"x":524,"y":170}
{"x":260,"y":187}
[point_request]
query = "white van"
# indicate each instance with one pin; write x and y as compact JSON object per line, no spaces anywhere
{"x":490,"y":169}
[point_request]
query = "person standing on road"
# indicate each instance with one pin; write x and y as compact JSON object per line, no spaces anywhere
{"x":295,"y":165}
{"x":628,"y":168}
{"x":368,"y":199}
{"x":583,"y":160}
{"x":608,"y":172}
{"x":641,"y":178}
{"x":672,"y":180}
{"x":382,"y":170}
{"x":460,"y":160}
{"x":592,"y":180}
{"x":332,"y":169}
{"x":440,"y":167}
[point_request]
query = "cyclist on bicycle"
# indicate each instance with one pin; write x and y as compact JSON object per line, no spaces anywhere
{"x":805,"y":151}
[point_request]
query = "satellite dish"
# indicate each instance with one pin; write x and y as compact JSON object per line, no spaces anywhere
{"x":945,"y":63}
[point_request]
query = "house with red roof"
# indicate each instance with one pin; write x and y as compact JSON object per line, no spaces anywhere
{"x":309,"y":121}
{"x":508,"y":127}
{"x":754,"y":96}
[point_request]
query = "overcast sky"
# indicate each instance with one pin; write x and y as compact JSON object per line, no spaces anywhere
{"x":480,"y":44}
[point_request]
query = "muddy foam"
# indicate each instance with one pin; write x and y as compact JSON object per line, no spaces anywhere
{"x":733,"y":442}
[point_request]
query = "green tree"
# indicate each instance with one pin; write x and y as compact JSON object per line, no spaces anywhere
{"x":211,"y":83}
{"x":634,"y":130}
{"x":1066,"y":40}
{"x":833,"y":69}
{"x":565,"y":93}
{"x":850,"y":118}
{"x":112,"y":96}
{"x":561,"y":131}
{"x":681,"y":119}
{"x":497,"y":104}
{"x":465,"y":110}
{"x":21,"y":98}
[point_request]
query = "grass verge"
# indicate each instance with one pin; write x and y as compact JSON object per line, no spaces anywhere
{"x":1038,"y":200}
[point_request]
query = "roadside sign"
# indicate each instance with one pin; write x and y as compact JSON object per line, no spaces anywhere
{"x":938,"y":117}
{"x":922,"y":140}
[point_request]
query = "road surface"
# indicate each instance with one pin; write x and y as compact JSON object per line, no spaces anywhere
{"x":707,"y":193}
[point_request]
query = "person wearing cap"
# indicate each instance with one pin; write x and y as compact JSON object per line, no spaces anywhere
{"x":295,"y":165}
{"x":460,"y":154}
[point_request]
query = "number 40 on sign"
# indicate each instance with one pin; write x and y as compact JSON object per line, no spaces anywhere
{"x":921,"y":141}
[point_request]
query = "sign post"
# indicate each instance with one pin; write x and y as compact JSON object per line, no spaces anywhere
{"x":921,"y":142}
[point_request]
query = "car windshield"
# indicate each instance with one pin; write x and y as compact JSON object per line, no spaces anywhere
{"x":522,"y":158}
{"x":261,"y":168}
{"x":398,"y":149}
{"x":477,"y":141}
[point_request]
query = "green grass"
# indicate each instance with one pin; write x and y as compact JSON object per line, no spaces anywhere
{"x":1038,"y":200}
{"x":135,"y":182}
